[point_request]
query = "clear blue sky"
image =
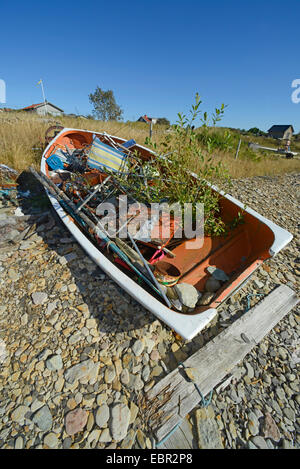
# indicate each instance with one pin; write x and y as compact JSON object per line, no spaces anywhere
{"x":155,"y":55}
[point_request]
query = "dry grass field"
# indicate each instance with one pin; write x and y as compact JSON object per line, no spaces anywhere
{"x":22,"y":137}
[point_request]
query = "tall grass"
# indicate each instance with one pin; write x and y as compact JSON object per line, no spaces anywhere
{"x":22,"y":135}
{"x":22,"y":139}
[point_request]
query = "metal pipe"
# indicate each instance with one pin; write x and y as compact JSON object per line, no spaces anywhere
{"x":149,"y":271}
{"x":92,"y":194}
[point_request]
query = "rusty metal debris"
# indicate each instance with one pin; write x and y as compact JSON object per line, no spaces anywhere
{"x":152,"y":408}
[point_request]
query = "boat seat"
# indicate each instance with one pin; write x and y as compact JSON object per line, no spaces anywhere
{"x":101,"y":156}
{"x":55,"y":162}
{"x":128,"y":144}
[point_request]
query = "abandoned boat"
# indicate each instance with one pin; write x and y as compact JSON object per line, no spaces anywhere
{"x":152,"y":273}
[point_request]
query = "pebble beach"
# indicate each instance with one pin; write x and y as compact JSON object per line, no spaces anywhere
{"x":77,"y":354}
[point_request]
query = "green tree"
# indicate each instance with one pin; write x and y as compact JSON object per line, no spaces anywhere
{"x":105,"y":106}
{"x":255,"y":131}
{"x":163,"y":121}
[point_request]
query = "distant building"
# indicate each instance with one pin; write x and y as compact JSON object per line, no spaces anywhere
{"x":147,"y":119}
{"x":44,"y":108}
{"x":284,"y":132}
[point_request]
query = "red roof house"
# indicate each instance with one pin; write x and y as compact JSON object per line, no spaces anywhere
{"x":44,"y":108}
{"x":147,"y":119}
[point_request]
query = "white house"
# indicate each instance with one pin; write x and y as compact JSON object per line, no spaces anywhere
{"x":44,"y":108}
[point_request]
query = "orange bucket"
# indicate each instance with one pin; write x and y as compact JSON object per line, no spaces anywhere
{"x":167,"y":274}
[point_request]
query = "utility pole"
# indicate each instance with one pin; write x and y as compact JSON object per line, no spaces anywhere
{"x":43,"y":92}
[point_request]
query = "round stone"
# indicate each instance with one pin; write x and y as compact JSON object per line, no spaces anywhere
{"x":270,"y":429}
{"x":76,"y":421}
{"x":102,"y":415}
{"x":187,"y":294}
{"x":124,"y":377}
{"x":51,"y":440}
{"x":138,"y":347}
{"x":157,"y":371}
{"x":253,"y":424}
{"x":218,"y":274}
{"x":105,"y":436}
{"x":18,"y":414}
{"x":19,"y":444}
{"x":120,"y":418}
{"x":43,"y":418}
{"x":205,"y":299}
{"x":39,"y":298}
{"x":110,"y":374}
{"x":212,"y":285}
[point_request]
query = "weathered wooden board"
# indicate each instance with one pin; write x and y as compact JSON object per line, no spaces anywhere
{"x":182,"y":438}
{"x":218,"y":358}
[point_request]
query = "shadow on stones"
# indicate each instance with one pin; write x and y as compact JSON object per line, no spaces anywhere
{"x":114,"y":310}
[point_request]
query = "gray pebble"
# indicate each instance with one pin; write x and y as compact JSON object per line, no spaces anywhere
{"x":260,"y":442}
{"x":54,"y":363}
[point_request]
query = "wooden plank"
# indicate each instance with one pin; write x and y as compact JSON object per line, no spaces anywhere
{"x":182,"y":438}
{"x":216,"y":360}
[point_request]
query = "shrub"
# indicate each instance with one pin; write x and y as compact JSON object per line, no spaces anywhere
{"x":170,"y":168}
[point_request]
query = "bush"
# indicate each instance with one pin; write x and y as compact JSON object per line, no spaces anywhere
{"x":170,"y":170}
{"x":163,"y":121}
{"x":221,"y":140}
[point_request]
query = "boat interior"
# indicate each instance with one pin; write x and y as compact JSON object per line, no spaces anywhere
{"x":173,"y":260}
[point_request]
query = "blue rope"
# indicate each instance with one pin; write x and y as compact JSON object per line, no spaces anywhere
{"x":167,"y":436}
{"x":6,"y":191}
{"x":205,"y":403}
{"x":72,"y":213}
{"x":251,"y":295}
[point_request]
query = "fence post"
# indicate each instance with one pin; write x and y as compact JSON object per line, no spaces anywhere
{"x":238,"y":149}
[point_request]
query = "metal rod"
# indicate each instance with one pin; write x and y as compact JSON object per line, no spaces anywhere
{"x":167,"y":251}
{"x":154,"y":177}
{"x":149,"y":270}
{"x":102,"y":234}
{"x":92,"y":194}
{"x":50,"y":185}
{"x":127,"y":222}
{"x":56,"y":192}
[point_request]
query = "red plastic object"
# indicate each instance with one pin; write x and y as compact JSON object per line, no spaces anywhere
{"x":154,"y":258}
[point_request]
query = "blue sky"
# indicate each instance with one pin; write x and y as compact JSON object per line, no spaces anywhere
{"x":155,"y":55}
